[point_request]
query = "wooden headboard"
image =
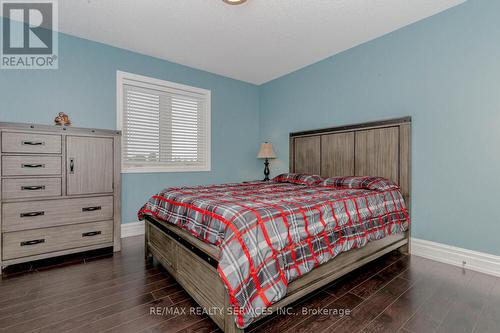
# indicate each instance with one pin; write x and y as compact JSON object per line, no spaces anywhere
{"x":381,"y":148}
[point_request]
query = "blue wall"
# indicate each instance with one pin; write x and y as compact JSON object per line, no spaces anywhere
{"x":445,"y":73}
{"x":84,"y":86}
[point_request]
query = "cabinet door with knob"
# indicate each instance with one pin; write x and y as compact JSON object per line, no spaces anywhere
{"x":89,"y":165}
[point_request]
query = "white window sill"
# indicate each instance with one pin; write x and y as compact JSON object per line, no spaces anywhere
{"x":164,"y":170}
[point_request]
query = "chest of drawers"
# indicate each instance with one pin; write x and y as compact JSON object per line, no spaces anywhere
{"x":59,"y":191}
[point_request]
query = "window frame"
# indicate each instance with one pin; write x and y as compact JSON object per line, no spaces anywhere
{"x":121,"y":78}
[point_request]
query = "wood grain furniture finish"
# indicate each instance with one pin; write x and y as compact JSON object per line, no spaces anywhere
{"x":31,"y":188}
{"x":337,"y":154}
{"x":31,"y":165}
{"x":48,"y":240}
{"x":376,"y":153}
{"x":380,"y":148}
{"x":331,"y":152}
{"x":307,"y":152}
{"x":31,"y":143}
{"x":60,"y":191}
{"x":93,"y":157}
{"x":20,"y":216}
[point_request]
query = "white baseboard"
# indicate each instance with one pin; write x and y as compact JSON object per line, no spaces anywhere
{"x":473,"y":260}
{"x":132,"y":229}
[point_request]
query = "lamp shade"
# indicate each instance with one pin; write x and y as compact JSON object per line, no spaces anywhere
{"x":266,"y":151}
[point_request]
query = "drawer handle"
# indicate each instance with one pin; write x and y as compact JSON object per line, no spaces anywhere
{"x":32,"y":188}
{"x":33,"y":242}
{"x":91,"y":209}
{"x":90,"y":234}
{"x":33,"y":143}
{"x":33,"y":165}
{"x":32,"y":214}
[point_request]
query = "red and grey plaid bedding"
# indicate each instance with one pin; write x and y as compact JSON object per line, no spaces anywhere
{"x":271,"y":233}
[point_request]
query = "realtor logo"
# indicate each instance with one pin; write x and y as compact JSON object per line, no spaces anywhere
{"x":29,"y":34}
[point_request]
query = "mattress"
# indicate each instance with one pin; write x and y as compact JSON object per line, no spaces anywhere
{"x":271,"y":233}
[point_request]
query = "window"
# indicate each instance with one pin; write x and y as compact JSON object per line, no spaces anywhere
{"x":165,"y":126}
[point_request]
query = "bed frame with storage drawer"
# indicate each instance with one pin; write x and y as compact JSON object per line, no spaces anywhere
{"x":374,"y":149}
{"x":59,"y":191}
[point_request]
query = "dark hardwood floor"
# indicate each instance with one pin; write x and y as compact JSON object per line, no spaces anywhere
{"x":99,"y":291}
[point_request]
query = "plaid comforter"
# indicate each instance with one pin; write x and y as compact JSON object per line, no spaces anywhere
{"x":271,"y":233}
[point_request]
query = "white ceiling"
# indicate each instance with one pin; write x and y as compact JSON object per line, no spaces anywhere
{"x":254,"y":42}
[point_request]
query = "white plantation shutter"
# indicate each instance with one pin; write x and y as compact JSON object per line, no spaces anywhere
{"x":141,"y":127}
{"x":165,"y":126}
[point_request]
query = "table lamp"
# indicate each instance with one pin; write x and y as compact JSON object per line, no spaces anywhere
{"x":266,"y":152}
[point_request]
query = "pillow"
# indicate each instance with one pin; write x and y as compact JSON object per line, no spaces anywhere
{"x":298,"y":178}
{"x":367,"y":183}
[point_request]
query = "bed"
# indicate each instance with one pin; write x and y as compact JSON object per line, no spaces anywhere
{"x":244,"y":250}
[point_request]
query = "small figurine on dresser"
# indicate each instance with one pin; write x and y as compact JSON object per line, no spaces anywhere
{"x":62,"y":119}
